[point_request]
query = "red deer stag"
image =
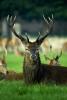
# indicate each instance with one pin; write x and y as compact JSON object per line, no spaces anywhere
{"x":33,"y":70}
{"x":54,"y":61}
{"x":32,"y":67}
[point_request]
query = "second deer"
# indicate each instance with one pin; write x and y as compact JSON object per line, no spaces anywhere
{"x":54,"y":61}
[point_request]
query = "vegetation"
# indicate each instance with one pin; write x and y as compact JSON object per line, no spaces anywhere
{"x":34,"y":8}
{"x":18,"y":90}
{"x":16,"y":62}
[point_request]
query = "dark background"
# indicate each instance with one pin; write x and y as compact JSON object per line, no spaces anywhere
{"x":29,"y":9}
{"x":34,"y":9}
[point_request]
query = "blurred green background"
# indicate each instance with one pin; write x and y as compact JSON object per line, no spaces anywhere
{"x":29,"y":9}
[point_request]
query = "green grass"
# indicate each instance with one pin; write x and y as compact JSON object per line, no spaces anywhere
{"x":62,"y":59}
{"x":17,"y":90}
{"x":16,"y":62}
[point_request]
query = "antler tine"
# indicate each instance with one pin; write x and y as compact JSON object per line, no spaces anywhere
{"x":27,"y":37}
{"x":58,"y":56}
{"x":7,"y":17}
{"x":47,"y":58}
{"x":38,"y":36}
{"x":52,"y":16}
{"x":14,"y":20}
{"x":11,"y":19}
{"x":45,"y":19}
{"x":50,"y":19}
{"x":60,"y":53}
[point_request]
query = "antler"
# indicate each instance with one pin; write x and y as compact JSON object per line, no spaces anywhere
{"x":11,"y":21}
{"x":47,"y":58}
{"x":58,"y":56}
{"x":49,"y":23}
{"x":40,"y":40}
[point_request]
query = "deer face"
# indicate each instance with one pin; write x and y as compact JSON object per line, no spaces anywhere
{"x":32,"y":49}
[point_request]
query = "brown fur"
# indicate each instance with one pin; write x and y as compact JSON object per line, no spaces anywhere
{"x":33,"y":70}
{"x":3,"y":69}
{"x":12,"y":75}
{"x":64,"y":46}
{"x":56,"y":74}
{"x":53,"y":62}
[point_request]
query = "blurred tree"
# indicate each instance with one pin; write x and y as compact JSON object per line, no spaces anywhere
{"x":34,"y":8}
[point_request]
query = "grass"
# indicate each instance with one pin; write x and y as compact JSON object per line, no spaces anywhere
{"x":17,"y":90}
{"x":62,"y":60}
{"x":16,"y":62}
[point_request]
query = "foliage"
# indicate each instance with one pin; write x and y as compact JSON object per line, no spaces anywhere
{"x":34,"y":8}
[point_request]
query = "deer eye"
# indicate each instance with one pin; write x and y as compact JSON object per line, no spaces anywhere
{"x":37,"y":50}
{"x":26,"y":49}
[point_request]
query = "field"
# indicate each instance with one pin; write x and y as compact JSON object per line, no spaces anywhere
{"x":17,"y":90}
{"x":16,"y":62}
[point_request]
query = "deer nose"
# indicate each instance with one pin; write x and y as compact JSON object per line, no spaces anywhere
{"x":33,"y":57}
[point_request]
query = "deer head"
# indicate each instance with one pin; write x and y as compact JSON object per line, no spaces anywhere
{"x":31,"y":47}
{"x":54,"y":60}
